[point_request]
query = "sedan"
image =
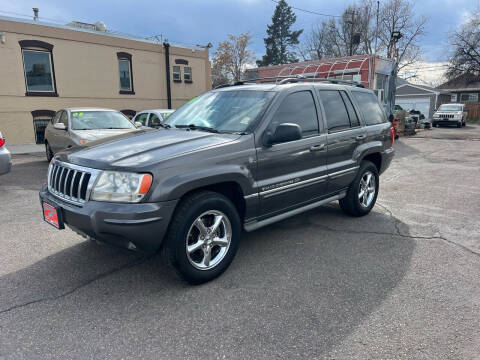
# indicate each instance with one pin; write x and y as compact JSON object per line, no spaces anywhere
{"x":79,"y":126}
{"x":5,"y":157}
{"x":153,"y":118}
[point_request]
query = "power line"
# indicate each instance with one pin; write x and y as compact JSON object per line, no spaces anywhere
{"x":309,"y":11}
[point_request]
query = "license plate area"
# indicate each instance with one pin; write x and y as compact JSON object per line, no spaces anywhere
{"x":53,"y":215}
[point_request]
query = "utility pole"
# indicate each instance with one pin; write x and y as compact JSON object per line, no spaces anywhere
{"x":376,"y":27}
{"x":351,"y":22}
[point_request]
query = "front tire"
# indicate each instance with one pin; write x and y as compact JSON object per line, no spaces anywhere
{"x":48,"y":152}
{"x":362,"y":193}
{"x":203,"y":237}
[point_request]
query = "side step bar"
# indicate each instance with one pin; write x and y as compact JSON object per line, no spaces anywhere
{"x":254,"y":225}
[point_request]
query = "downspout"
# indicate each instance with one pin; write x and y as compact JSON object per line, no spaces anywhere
{"x":166,"y":45}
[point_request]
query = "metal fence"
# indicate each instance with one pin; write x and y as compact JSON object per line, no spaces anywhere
{"x":39,"y":126}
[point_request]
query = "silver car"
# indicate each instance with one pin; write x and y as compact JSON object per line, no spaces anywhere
{"x":5,"y":157}
{"x":78,"y":126}
{"x":153,"y":118}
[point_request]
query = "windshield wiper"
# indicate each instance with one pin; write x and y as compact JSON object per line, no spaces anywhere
{"x":197,"y":127}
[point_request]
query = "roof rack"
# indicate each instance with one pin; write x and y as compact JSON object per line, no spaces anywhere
{"x":299,"y":78}
{"x":291,"y":79}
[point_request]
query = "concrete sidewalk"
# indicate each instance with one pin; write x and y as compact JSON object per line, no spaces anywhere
{"x":17,"y":149}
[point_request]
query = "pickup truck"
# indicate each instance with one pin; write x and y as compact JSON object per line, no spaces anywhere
{"x":233,"y":159}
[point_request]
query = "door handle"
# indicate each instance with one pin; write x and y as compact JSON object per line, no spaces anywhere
{"x":318,"y":147}
{"x":361,"y":137}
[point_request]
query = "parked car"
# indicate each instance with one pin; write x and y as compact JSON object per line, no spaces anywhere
{"x":5,"y":157}
{"x":153,"y":118}
{"x":450,"y":114}
{"x":237,"y":157}
{"x":78,"y":126}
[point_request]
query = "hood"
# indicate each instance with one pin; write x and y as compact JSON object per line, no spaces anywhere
{"x":97,"y":134}
{"x":142,"y":147}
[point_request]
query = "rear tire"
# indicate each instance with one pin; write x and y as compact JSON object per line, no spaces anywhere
{"x":48,"y":152}
{"x":203,"y":237}
{"x":362,"y":193}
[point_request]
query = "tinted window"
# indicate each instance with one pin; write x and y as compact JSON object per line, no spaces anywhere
{"x":298,"y":108}
{"x":38,"y":70}
{"x":352,"y":114}
{"x":335,"y":111}
{"x":371,"y":110}
{"x":64,"y":118}
{"x":142,"y":118}
{"x":154,"y":120}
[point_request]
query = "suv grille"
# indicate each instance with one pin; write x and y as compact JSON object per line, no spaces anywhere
{"x":70,"y":182}
{"x":446,"y":116}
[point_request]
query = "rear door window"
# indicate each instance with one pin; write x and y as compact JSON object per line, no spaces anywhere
{"x":298,"y":108}
{"x":154,"y":120}
{"x":335,"y":110}
{"x":352,"y":114}
{"x":370,"y":108}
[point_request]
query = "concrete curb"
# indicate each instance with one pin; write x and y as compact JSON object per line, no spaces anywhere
{"x":18,"y":149}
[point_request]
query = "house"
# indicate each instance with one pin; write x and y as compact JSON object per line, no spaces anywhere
{"x":47,"y":67}
{"x":417,"y":97}
{"x":462,"y":89}
{"x":371,"y":71}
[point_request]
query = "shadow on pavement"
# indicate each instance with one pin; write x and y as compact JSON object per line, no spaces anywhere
{"x":295,"y":290}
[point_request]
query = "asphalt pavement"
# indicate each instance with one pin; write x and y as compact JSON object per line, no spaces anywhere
{"x":400,"y":283}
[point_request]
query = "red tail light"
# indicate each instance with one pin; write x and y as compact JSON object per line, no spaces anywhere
{"x":2,"y":141}
{"x":392,"y":136}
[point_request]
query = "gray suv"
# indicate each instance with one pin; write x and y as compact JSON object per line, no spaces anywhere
{"x":236,"y":158}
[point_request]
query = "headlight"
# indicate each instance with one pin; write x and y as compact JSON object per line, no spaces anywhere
{"x":121,"y":186}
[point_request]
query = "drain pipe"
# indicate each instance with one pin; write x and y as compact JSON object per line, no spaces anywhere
{"x":166,"y":45}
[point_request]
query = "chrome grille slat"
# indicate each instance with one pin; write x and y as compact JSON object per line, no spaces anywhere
{"x":71,"y":183}
{"x":79,"y":191}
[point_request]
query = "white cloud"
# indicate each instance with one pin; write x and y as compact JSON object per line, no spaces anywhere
{"x":425,"y":73}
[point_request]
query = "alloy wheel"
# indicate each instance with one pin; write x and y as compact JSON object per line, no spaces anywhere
{"x":366,"y":189}
{"x":208,"y":239}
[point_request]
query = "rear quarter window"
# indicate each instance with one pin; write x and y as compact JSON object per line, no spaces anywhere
{"x":370,"y":108}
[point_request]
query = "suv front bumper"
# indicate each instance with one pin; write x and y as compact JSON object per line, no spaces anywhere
{"x":139,"y":226}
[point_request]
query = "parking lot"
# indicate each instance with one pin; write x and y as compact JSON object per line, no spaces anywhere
{"x":400,"y":283}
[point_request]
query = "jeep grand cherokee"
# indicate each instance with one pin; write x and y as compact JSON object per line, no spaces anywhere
{"x":239,"y":157}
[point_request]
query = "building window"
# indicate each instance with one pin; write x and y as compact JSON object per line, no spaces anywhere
{"x":126,"y":73}
{"x":453,"y":98}
{"x":187,"y":74}
{"x":177,"y":75}
{"x":472,"y":97}
{"x":38,"y":68}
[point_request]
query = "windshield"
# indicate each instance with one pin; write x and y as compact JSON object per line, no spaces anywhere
{"x":91,"y":120}
{"x":228,"y":111}
{"x":450,"y":108}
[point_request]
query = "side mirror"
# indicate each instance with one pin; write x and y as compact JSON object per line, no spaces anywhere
{"x":60,"y":126}
{"x":284,"y":133}
{"x":138,"y":124}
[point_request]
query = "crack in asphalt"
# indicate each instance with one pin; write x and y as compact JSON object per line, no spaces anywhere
{"x":397,"y":232}
{"x":76,"y":288}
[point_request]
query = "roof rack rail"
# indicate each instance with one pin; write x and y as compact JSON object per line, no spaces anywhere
{"x":280,"y":80}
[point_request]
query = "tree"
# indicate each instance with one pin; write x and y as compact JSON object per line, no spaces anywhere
{"x":230,"y":59}
{"x":281,"y":39}
{"x":352,"y":33}
{"x":333,"y":37}
{"x":398,"y":15}
{"x":465,"y":58}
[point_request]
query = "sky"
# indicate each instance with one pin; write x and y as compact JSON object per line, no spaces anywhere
{"x":203,"y":21}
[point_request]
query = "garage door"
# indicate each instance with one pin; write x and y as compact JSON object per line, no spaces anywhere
{"x":407,"y":103}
